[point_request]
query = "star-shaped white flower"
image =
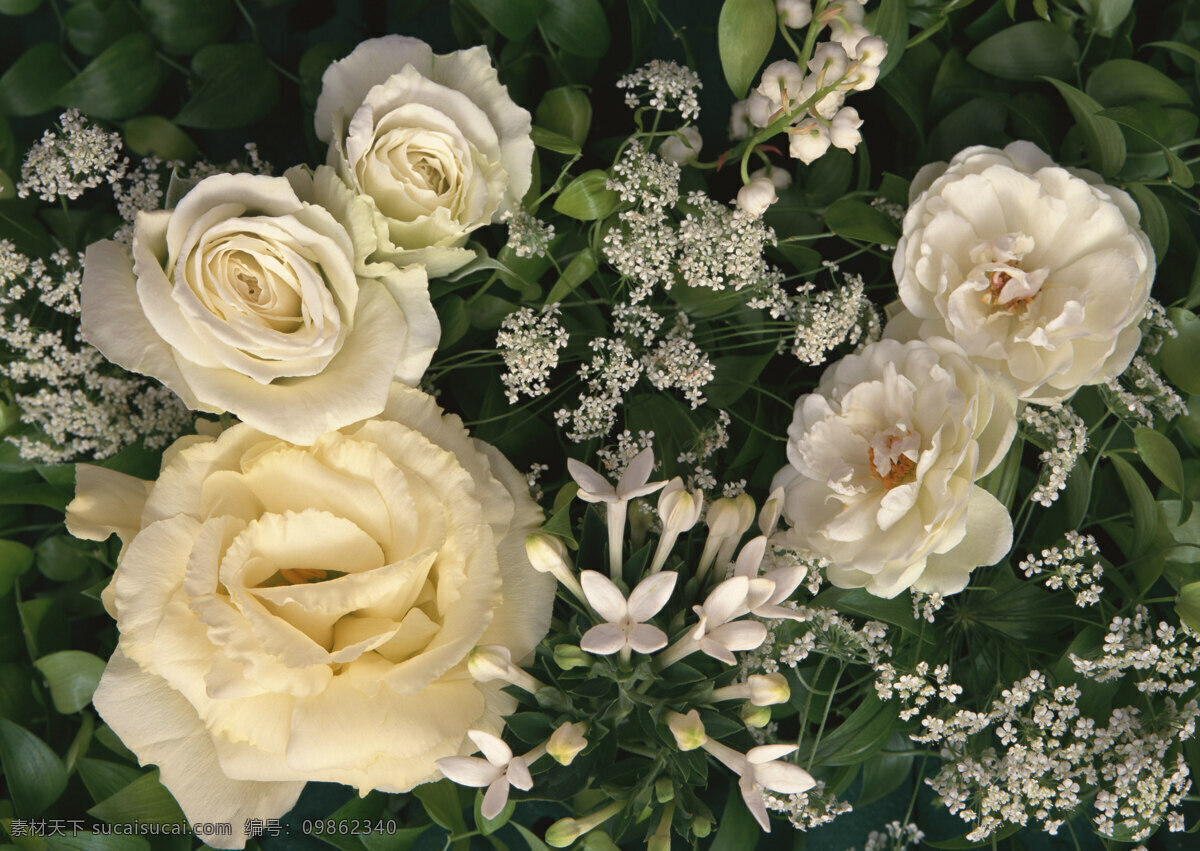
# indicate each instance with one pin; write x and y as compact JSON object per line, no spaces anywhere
{"x":718,"y":634}
{"x":759,"y":768}
{"x":626,"y":628}
{"x":497,"y":772}
{"x":593,"y":487}
{"x":770,"y":589}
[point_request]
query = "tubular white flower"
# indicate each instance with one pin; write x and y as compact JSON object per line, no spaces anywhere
{"x":728,"y":519}
{"x":767,"y":592}
{"x":494,"y":662}
{"x":433,"y":143}
{"x":688,"y":730}
{"x":759,"y":689}
{"x":679,"y":511}
{"x":548,"y":555}
{"x":883,"y":460}
{"x":566,"y":742}
{"x":497,"y":772}
{"x":772,"y":510}
{"x":760,"y":769}
{"x":1038,"y":272}
{"x":719,"y":633}
{"x":625,"y":626}
{"x":593,"y":487}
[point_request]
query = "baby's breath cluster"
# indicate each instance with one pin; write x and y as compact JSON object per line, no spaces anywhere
{"x":915,"y":688}
{"x":69,"y":160}
{"x":1139,"y":393}
{"x":528,"y":236}
{"x":1165,"y":657}
{"x":894,"y":837}
{"x":612,"y":371}
{"x":529,"y":342}
{"x":708,"y":441}
{"x":806,"y":810}
{"x":1068,"y":566}
{"x":663,"y":85}
{"x":1063,"y":436}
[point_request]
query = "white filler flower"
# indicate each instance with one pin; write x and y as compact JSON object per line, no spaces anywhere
{"x":884,"y":458}
{"x":434,"y":142}
{"x":1038,"y":272}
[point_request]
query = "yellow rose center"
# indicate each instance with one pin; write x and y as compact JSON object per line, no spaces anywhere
{"x":899,"y":469}
{"x":991,"y":296}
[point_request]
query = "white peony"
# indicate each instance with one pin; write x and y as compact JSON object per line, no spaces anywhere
{"x":249,"y":299}
{"x":1037,"y":272}
{"x":434,"y":143}
{"x":289,"y":613}
{"x":884,"y":459}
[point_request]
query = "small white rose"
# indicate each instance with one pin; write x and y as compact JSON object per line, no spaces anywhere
{"x":248,"y":298}
{"x":289,"y":614}
{"x":433,"y":142}
{"x":884,"y":457}
{"x":1038,"y":272}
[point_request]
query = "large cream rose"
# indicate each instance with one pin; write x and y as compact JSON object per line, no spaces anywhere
{"x":434,"y":143}
{"x":884,"y":458}
{"x":292,"y":613}
{"x":1038,"y":272}
{"x":248,"y":298}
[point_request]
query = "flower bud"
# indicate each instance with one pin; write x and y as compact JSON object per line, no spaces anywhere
{"x":756,"y":196}
{"x":794,"y":13}
{"x":566,"y":742}
{"x":755,"y":716}
{"x":688,"y":730}
{"x":768,"y":689}
{"x":664,"y":790}
{"x":701,"y":826}
{"x":490,"y":662}
{"x":781,"y":178}
{"x":723,"y":517}
{"x":760,"y":108}
{"x":871,"y":51}
{"x":658,"y":842}
{"x":780,"y":79}
{"x":548,"y":555}
{"x":683,"y":147}
{"x":563,"y":832}
{"x":843,"y":130}
{"x":568,"y":656}
{"x":679,"y":509}
{"x":772,"y":510}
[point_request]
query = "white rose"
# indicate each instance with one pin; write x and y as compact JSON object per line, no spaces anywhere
{"x":289,"y":614}
{"x":756,"y":196}
{"x":683,"y":147}
{"x":884,"y":458}
{"x":1039,"y":273}
{"x":245,"y":298}
{"x":434,"y":143}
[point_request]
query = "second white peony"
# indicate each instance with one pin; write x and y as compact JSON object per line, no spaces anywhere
{"x":1038,"y":272}
{"x":884,"y":457}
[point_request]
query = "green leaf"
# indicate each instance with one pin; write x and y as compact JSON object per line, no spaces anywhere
{"x":18,"y":7}
{"x":455,"y":320}
{"x":1143,"y":120}
{"x":856,"y":220}
{"x":238,"y":86}
{"x":153,"y":135}
{"x":28,"y":87}
{"x":312,"y":67}
{"x":886,"y":771}
{"x":581,"y":267}
{"x":144,"y":801}
{"x":1161,"y":457}
{"x":1141,"y":505}
{"x":566,"y":111}
{"x":1185,"y":50}
{"x":552,"y":141}
{"x":513,"y":19}
{"x":1119,"y":82}
{"x":1001,"y":482}
{"x":1106,"y":15}
{"x":62,"y":558}
{"x":15,"y":559}
{"x":441,"y":804}
{"x":72,"y":677}
{"x":184,"y":26}
{"x":1187,"y":605}
{"x":745,"y":33}
{"x":33,"y":773}
{"x":1027,"y":51}
{"x":1103,"y":138}
{"x":1179,"y":355}
{"x":91,"y":29}
{"x":104,"y":779}
{"x":531,"y":839}
{"x":577,"y":26}
{"x":118,"y":83}
{"x":586,"y":198}
{"x":891,"y":22}
{"x":88,"y":841}
{"x":1154,"y":217}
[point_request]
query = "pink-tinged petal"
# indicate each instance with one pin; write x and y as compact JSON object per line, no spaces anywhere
{"x":637,"y":473}
{"x":754,"y":802}
{"x":593,"y":487}
{"x":603,"y":640}
{"x":740,"y":635}
{"x":718,"y":651}
{"x":645,"y":638}
{"x":493,"y":747}
{"x":494,"y":799}
{"x":768,"y":753}
{"x":726,"y":599}
{"x":604,"y":596}
{"x":650,"y":595}
{"x":518,"y":774}
{"x":750,"y":557}
{"x":784,"y":777}
{"x":468,"y":770}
